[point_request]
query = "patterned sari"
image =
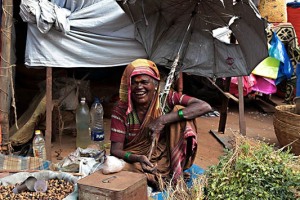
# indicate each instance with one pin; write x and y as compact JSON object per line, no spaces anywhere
{"x":176,"y":147}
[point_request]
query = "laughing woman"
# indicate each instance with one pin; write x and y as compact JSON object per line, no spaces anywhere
{"x":138,"y":118}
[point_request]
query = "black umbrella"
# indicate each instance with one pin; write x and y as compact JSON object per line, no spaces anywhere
{"x":184,"y":29}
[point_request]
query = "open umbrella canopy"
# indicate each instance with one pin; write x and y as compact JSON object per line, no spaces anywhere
{"x":185,"y":29}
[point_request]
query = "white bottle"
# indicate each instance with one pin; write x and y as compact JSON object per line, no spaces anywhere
{"x":97,"y":127}
{"x":82,"y":125}
{"x":39,"y":145}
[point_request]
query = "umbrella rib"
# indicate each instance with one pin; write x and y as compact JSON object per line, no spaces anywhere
{"x":212,"y":10}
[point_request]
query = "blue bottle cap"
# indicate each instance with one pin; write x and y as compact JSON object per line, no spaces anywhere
{"x":96,"y":100}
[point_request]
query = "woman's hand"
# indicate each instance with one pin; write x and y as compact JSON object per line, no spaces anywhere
{"x":147,"y":166}
{"x":156,"y":126}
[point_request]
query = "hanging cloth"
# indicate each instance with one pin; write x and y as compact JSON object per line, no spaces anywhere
{"x":293,"y":16}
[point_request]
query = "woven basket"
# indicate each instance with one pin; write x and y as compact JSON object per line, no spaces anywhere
{"x":287,"y":114}
{"x":287,"y":127}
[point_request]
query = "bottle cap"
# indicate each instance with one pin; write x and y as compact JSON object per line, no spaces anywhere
{"x":82,"y":100}
{"x":37,"y":132}
{"x":96,"y":100}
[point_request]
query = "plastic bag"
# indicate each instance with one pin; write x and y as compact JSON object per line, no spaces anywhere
{"x":112,"y":165}
{"x":84,"y":161}
{"x":278,"y":51}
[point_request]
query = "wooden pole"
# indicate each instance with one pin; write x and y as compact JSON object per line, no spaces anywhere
{"x":5,"y":68}
{"x":49,"y":108}
{"x":242,"y":121}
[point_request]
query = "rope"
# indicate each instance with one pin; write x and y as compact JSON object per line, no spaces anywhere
{"x":13,"y":96}
{"x":169,"y":81}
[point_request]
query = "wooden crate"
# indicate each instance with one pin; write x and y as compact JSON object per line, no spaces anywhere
{"x":118,"y":186}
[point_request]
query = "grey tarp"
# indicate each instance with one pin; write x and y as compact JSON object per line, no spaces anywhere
{"x":82,"y":33}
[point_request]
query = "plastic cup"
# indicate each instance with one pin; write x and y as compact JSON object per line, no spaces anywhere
{"x":40,"y":186}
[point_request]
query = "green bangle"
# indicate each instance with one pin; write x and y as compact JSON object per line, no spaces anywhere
{"x":180,"y":114}
{"x":127,"y":155}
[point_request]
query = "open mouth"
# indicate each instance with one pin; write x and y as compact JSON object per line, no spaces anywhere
{"x":140,"y":94}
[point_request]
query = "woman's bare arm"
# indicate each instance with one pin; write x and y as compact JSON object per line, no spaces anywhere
{"x":117,"y":151}
{"x":194,"y":109}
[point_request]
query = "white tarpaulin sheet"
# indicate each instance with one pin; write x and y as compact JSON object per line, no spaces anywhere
{"x":82,"y":33}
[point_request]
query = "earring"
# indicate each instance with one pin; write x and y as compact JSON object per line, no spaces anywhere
{"x":156,"y":88}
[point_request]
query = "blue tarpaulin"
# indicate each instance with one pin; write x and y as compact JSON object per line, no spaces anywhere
{"x":194,"y":170}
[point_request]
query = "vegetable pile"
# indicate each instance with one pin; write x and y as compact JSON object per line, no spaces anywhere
{"x":254,"y":170}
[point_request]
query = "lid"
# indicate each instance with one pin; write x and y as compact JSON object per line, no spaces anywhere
{"x":37,"y":132}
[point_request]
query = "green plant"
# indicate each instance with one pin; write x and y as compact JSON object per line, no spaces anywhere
{"x":254,"y":170}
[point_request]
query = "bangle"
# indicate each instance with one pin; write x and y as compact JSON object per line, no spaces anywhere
{"x":180,"y":114}
{"x":127,"y":155}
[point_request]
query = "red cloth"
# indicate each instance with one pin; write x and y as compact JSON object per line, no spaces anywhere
{"x":122,"y":128}
{"x":293,"y":15}
{"x":248,"y":82}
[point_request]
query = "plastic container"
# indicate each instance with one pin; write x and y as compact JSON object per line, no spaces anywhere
{"x":82,"y":125}
{"x":39,"y":145}
{"x":297,"y":103}
{"x":97,"y":126}
{"x":298,"y":80}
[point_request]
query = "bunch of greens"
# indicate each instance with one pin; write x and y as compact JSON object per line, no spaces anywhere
{"x":254,"y":170}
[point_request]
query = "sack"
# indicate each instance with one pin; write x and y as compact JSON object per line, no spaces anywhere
{"x":112,"y":165}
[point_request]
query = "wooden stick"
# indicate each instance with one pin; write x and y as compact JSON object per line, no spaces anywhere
{"x":151,"y":148}
{"x":226,"y":94}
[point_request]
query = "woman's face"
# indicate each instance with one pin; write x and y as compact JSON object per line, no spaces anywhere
{"x":142,"y":89}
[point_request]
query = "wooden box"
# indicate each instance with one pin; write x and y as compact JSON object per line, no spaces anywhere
{"x":118,"y":186}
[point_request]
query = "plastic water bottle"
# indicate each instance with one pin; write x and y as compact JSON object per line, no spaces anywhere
{"x":82,"y":124}
{"x":39,"y":145}
{"x":97,"y":128}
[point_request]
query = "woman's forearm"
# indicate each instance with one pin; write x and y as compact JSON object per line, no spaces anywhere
{"x":192,"y":111}
{"x":125,"y":155}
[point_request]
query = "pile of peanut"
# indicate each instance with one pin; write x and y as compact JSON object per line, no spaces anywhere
{"x":57,"y":189}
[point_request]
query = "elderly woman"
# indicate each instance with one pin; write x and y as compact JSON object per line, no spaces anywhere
{"x":137,"y":119}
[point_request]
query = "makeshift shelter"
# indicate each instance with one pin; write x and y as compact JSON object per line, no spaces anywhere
{"x":104,"y":35}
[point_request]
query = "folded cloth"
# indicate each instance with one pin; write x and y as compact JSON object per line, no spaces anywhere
{"x":12,"y":162}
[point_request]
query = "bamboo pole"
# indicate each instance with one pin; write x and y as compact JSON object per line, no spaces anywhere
{"x":5,"y":68}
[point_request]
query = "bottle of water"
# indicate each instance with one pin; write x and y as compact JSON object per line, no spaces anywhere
{"x":97,"y":128}
{"x":39,"y":145}
{"x":82,"y":124}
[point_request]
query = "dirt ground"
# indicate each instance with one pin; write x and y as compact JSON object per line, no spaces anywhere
{"x":259,"y":125}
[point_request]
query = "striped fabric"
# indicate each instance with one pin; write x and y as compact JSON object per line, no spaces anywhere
{"x":12,"y":162}
{"x":175,"y":149}
{"x":125,"y":127}
{"x":179,"y":152}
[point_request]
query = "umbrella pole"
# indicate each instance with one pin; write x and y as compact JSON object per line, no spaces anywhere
{"x":164,"y":94}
